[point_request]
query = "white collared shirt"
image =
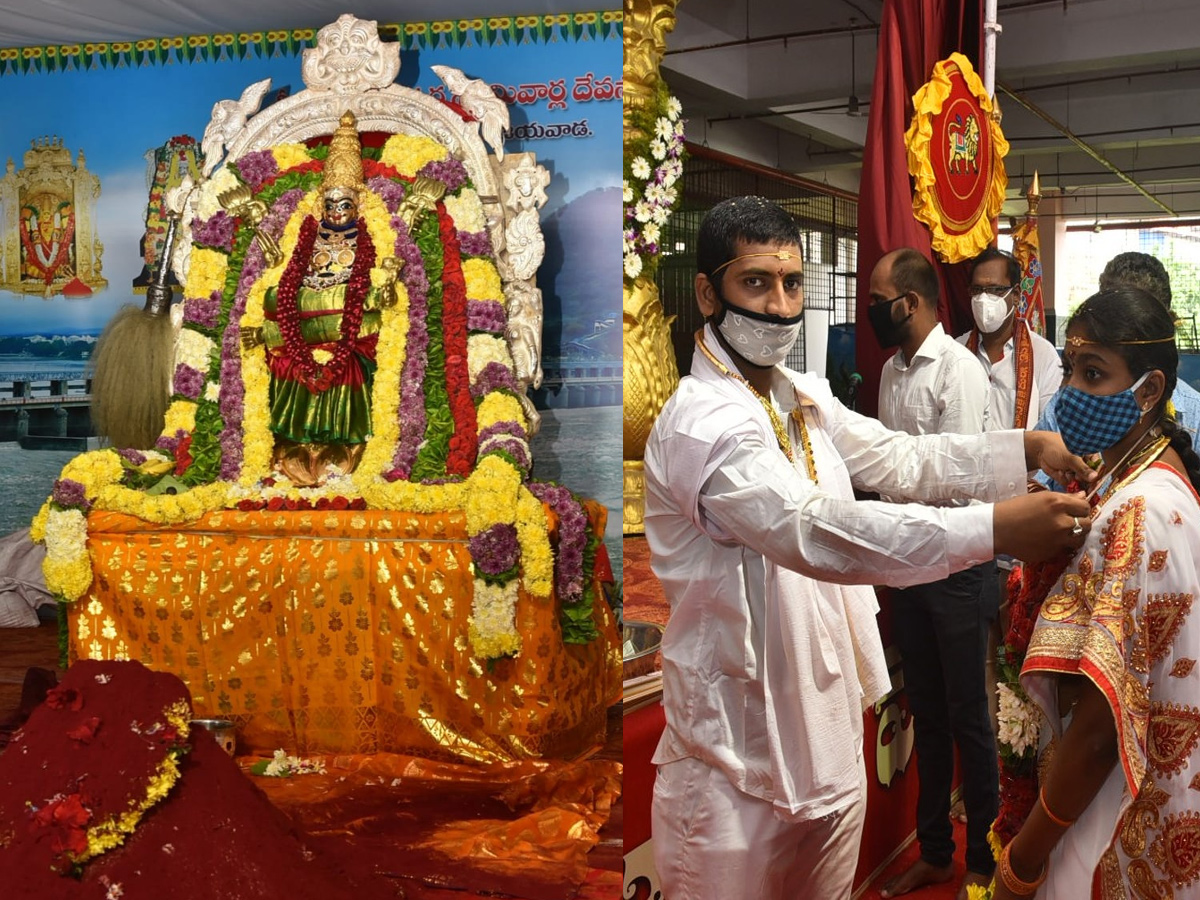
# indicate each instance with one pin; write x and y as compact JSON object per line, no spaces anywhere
{"x":1002,"y":402}
{"x":941,"y":391}
{"x":771,"y":652}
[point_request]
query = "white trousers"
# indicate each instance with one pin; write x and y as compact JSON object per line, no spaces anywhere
{"x":713,"y":841}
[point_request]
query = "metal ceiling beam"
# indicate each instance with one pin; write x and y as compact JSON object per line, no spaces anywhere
{"x":776,"y":38}
{"x":1083,"y":145}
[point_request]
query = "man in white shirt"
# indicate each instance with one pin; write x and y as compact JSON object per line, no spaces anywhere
{"x":1024,"y":368}
{"x":770,"y":656}
{"x":933,"y":385}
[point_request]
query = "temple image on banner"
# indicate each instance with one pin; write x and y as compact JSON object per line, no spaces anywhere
{"x":48,"y":207}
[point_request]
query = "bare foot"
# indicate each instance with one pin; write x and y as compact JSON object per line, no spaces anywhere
{"x":958,"y":812}
{"x":916,"y":876}
{"x":970,"y":879}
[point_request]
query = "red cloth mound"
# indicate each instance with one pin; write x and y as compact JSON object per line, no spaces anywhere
{"x":76,"y":288}
{"x":89,"y":752}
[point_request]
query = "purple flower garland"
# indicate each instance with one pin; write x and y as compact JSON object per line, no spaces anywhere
{"x":216,"y":231}
{"x":232,"y":397}
{"x":189,"y":382}
{"x":495,"y":551}
{"x":412,"y":394}
{"x":494,"y":377}
{"x":203,"y":311}
{"x":449,"y":171}
{"x":70,"y":494}
{"x":486,"y":315}
{"x":390,"y":192}
{"x":257,"y":168}
{"x":475,"y":243}
{"x":131,"y":456}
{"x":572,"y":538}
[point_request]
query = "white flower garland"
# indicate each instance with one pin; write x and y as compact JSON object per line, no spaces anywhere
{"x":650,"y":194}
{"x":483,"y":349}
{"x":466,"y":211}
{"x":1019,"y":720}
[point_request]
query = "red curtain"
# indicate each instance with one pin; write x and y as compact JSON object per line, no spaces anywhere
{"x":913,"y":35}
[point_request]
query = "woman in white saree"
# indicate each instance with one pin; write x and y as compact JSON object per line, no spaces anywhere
{"x":1112,"y":659}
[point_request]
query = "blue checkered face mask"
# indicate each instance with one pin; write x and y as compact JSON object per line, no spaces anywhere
{"x":1090,"y":423}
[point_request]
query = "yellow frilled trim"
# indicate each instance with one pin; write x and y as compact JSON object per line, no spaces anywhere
{"x":927,"y":103}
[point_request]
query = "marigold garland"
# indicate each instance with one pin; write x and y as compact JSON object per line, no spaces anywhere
{"x":113,"y":831}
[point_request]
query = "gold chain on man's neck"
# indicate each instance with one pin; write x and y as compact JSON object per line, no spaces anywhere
{"x":785,"y":443}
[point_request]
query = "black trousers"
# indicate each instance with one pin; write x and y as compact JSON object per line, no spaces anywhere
{"x":941,"y":630}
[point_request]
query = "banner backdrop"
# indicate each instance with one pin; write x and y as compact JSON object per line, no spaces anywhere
{"x":91,"y":119}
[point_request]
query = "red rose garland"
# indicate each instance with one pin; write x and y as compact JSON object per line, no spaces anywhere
{"x":314,"y":376}
{"x":461,"y":458}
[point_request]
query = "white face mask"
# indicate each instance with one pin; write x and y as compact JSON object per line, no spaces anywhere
{"x":763,"y":342}
{"x":991,"y":311}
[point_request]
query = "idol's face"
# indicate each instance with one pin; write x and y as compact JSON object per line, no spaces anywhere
{"x":340,"y":210}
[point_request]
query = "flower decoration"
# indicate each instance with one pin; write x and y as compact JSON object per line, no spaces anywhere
{"x":448,"y":430}
{"x":653,"y":165}
{"x":283,"y":766}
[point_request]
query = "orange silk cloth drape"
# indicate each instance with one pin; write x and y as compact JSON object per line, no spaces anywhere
{"x":325,"y":631}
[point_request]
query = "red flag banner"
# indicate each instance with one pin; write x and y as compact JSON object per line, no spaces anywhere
{"x":913,"y":36}
{"x":956,"y":158}
{"x":1026,"y":248}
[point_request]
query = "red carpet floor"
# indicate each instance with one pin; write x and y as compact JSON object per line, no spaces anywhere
{"x":907,"y":857}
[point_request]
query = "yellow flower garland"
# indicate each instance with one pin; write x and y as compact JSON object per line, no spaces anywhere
{"x":537,"y":559}
{"x":500,"y":407}
{"x":206,"y":272}
{"x":112,"y":831}
{"x":288,"y":156}
{"x":181,"y":416}
{"x":408,"y":153}
{"x":483,"y":280}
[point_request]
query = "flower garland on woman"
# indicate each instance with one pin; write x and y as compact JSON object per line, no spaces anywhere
{"x":1111,"y":661}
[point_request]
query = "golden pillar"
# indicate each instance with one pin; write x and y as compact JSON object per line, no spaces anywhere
{"x":651,"y":374}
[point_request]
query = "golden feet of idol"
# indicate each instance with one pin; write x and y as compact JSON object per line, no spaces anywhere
{"x":310,"y":465}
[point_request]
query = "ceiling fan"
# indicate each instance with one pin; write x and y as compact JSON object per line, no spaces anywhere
{"x":853,"y":106}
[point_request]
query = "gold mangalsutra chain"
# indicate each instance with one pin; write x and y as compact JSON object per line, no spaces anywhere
{"x":1148,"y":456}
{"x":781,"y":435}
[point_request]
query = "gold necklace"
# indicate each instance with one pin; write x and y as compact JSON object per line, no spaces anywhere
{"x":1147,"y":457}
{"x":781,"y":436}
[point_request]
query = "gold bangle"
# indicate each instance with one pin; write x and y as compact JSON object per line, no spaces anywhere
{"x":1010,"y":878}
{"x":1061,"y":823}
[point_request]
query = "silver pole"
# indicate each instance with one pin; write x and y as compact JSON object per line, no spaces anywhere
{"x":990,"y":29}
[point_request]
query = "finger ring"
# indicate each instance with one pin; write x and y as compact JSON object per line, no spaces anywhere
{"x":1078,"y":529}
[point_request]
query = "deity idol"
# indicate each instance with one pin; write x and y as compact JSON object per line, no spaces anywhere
{"x":322,"y":326}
